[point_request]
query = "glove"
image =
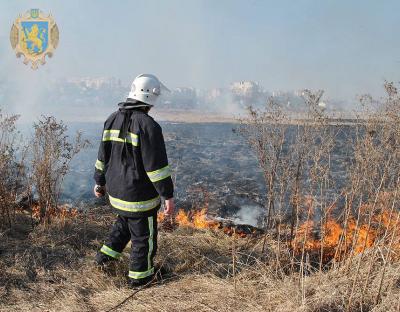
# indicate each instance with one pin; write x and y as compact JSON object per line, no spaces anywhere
{"x":99,"y":191}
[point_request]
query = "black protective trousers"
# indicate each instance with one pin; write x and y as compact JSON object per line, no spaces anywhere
{"x":142,"y":232}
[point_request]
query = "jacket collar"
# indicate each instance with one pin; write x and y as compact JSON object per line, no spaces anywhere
{"x":132,"y":104}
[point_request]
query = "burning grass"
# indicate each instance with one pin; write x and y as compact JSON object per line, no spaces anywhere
{"x":50,"y":268}
{"x":376,"y":226}
{"x":199,"y":219}
{"x":328,"y":241}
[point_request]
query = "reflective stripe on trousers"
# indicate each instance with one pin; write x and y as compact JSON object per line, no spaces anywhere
{"x":150,"y":268}
{"x":110,"y":252}
{"x":99,"y":165}
{"x":138,"y":275}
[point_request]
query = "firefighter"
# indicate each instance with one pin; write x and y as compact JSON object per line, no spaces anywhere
{"x":132,"y":167}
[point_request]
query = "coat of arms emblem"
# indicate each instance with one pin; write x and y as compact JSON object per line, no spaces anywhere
{"x":33,"y":36}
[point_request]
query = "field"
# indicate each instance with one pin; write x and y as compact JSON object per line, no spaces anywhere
{"x":272,"y":216}
{"x":50,"y":268}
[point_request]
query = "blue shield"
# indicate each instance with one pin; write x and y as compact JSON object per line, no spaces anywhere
{"x":35,"y":36}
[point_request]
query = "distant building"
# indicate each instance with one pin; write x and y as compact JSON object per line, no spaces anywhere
{"x":95,"y":83}
{"x":245,"y":88}
{"x":183,"y":97}
{"x":248,"y":93}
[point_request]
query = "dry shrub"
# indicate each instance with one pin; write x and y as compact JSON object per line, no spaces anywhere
{"x":324,"y":229}
{"x":12,"y":170}
{"x":52,"y":153}
{"x":374,"y":187}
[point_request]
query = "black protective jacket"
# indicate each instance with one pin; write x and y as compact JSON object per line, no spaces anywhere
{"x":132,"y":162}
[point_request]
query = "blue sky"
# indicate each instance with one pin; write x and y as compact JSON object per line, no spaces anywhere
{"x":345,"y":47}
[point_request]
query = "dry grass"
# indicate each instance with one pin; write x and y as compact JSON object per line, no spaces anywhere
{"x":51,"y":268}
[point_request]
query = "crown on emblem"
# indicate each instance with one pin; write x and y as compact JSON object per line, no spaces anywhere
{"x":34,"y":13}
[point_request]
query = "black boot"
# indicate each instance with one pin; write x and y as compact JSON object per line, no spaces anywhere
{"x":138,"y":283}
{"x":102,"y":259}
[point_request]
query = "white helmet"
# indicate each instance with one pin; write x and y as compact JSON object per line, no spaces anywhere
{"x":146,"y":88}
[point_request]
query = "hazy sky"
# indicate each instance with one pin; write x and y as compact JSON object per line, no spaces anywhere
{"x":344,"y":47}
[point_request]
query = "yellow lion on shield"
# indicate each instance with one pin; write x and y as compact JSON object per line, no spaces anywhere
{"x":35,"y":37}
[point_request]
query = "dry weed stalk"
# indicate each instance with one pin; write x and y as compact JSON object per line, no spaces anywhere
{"x":52,"y":153}
{"x":12,"y":169}
{"x":324,"y":224}
{"x":374,"y":181}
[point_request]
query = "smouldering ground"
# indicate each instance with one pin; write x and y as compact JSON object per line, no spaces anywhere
{"x":51,"y":269}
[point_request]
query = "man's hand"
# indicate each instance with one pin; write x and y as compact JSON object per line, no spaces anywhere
{"x":169,"y":207}
{"x":99,"y":190}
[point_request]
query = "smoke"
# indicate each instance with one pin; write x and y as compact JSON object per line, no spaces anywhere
{"x":203,"y":46}
{"x":25,"y":96}
{"x":225,"y":105}
{"x":22,"y":90}
{"x":249,"y":214}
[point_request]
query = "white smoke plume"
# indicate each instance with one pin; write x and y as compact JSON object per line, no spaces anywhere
{"x":249,"y":214}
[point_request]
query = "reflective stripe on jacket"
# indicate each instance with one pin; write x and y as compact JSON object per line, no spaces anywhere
{"x":132,"y":162}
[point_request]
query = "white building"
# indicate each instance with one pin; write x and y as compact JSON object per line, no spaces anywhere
{"x":95,"y":83}
{"x":245,"y":88}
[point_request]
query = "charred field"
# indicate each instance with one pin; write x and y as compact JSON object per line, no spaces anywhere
{"x":271,"y":216}
{"x":209,"y":160}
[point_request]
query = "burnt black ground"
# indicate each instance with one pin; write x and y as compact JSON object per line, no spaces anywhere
{"x":204,"y":156}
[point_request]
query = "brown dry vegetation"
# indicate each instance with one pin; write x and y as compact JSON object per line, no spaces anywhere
{"x":50,"y":268}
{"x":318,"y":253}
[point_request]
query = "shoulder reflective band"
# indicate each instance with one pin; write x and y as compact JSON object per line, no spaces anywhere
{"x":99,"y":165}
{"x":151,"y":236}
{"x":159,"y":174}
{"x":133,"y":139}
{"x":134,"y":206}
{"x":109,"y":252}
{"x":138,"y":275}
{"x":113,"y":135}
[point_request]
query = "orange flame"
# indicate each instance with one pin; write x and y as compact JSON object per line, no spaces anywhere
{"x":182,"y":218}
{"x":334,"y":240}
{"x":198,"y":219}
{"x":62,"y":212}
